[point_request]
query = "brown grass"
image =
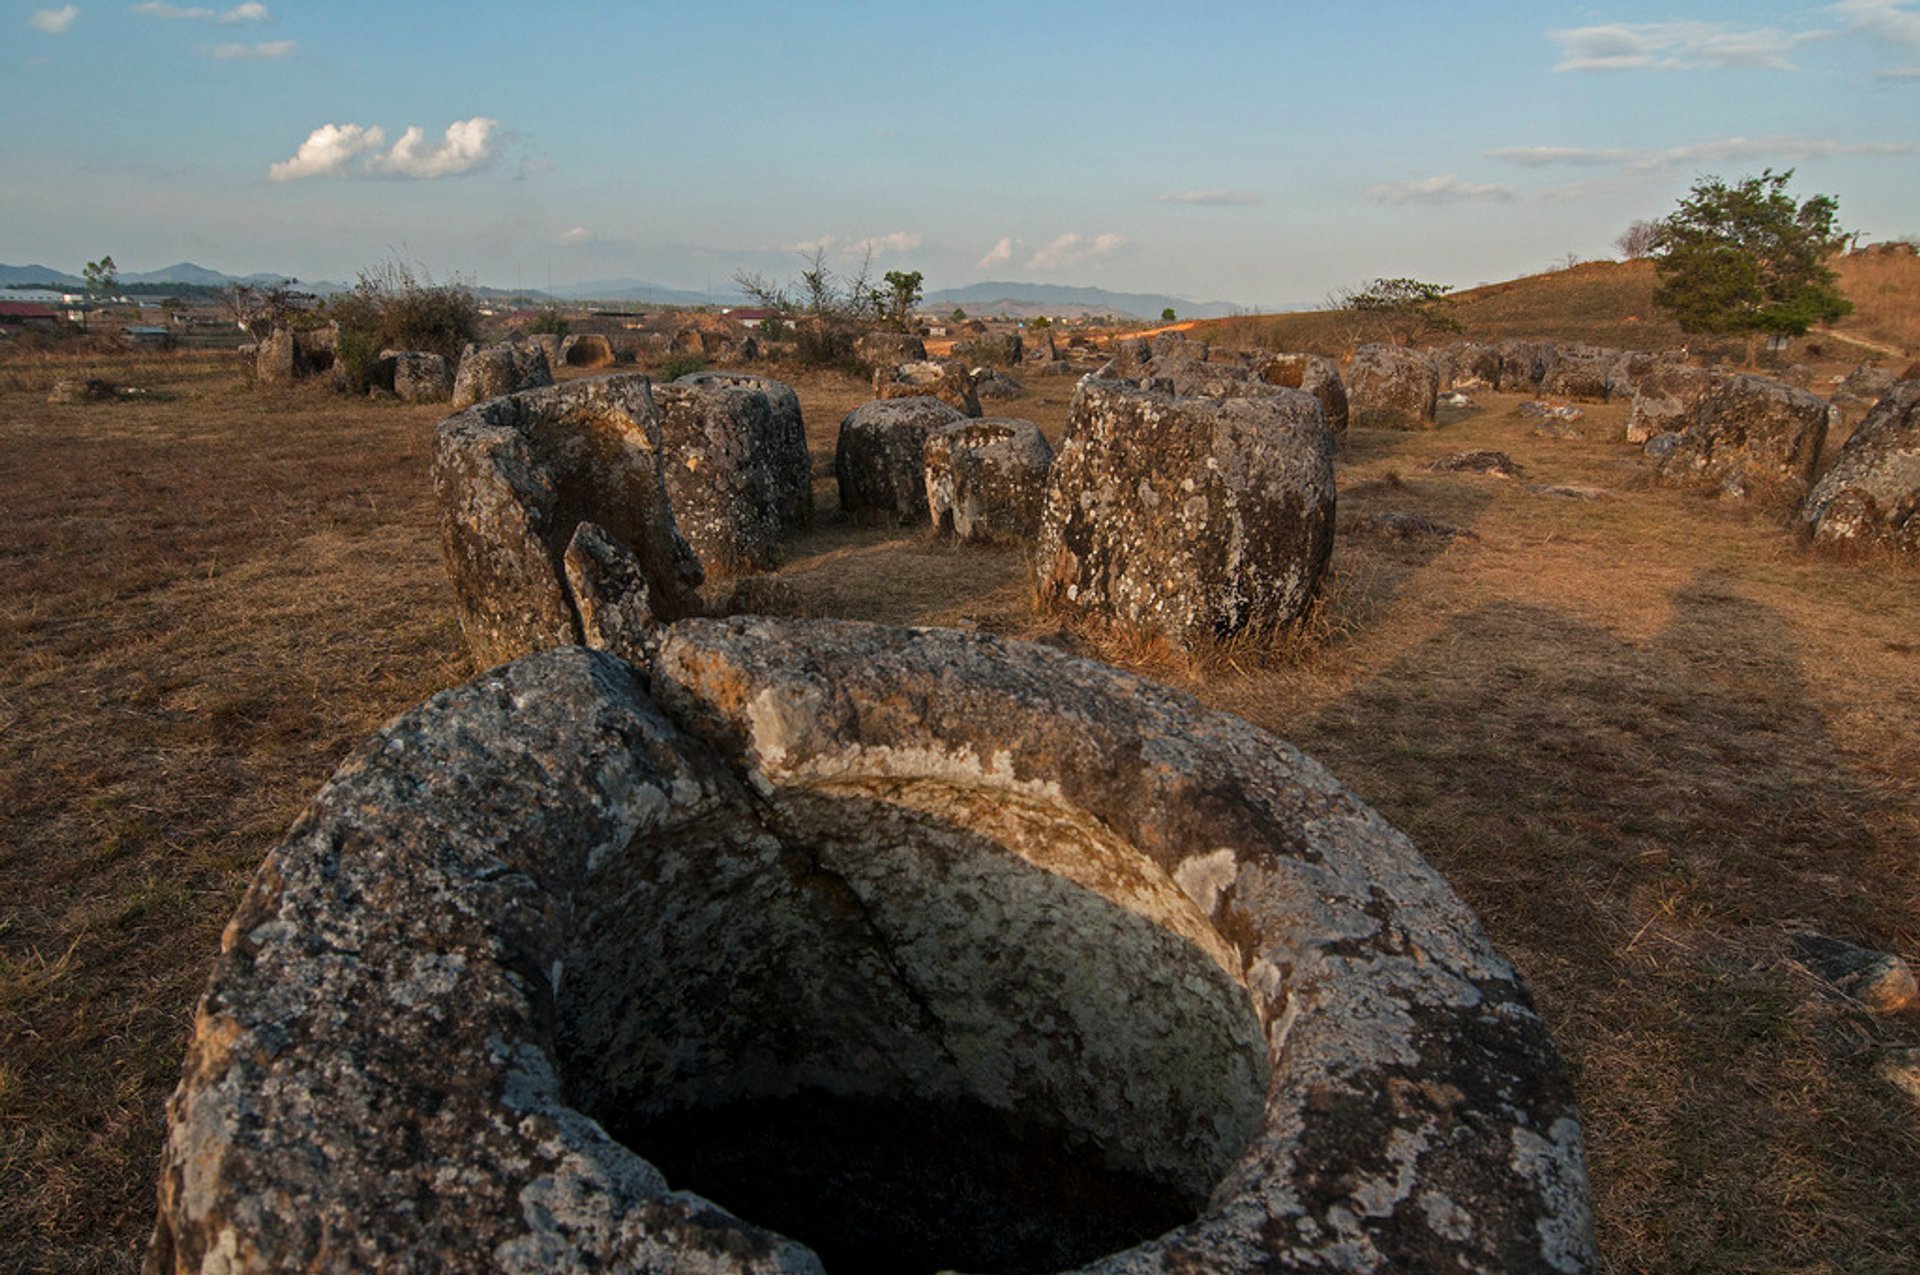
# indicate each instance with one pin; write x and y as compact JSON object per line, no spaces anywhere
{"x":1644,"y":735}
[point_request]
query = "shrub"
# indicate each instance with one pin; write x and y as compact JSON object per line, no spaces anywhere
{"x":550,"y":322}
{"x":682,"y":365}
{"x":391,"y":307}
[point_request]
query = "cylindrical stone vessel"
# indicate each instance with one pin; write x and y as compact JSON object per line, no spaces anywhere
{"x":838,"y":947}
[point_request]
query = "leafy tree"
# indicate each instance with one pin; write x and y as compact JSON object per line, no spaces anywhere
{"x":901,"y":295}
{"x":102,"y":276}
{"x":959,"y":314}
{"x":1166,"y":315}
{"x":550,"y":322}
{"x":836,"y":307}
{"x":1399,"y":309}
{"x":1039,"y":323}
{"x":1749,"y":259}
{"x":262,"y":309}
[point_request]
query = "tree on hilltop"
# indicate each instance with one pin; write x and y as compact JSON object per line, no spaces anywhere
{"x":1748,"y":259}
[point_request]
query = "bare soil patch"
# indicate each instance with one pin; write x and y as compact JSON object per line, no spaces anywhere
{"x":1644,"y":734}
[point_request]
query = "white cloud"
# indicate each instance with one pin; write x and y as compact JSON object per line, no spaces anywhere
{"x":1675,"y":46}
{"x":265,"y":49}
{"x":1886,"y":19}
{"x":1898,"y":73}
{"x":1072,"y":249}
{"x":1441,"y":190}
{"x":328,"y":149}
{"x":1000,"y":254}
{"x":578,"y":235}
{"x":1211,"y":198}
{"x":249,"y":12}
{"x":156,"y":10}
{"x":1781,"y":149}
{"x":807,"y":247}
{"x":881,"y":245}
{"x":53,"y":21}
{"x":467,"y":145}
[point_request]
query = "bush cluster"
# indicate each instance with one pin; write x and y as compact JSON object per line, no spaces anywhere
{"x":391,"y":307}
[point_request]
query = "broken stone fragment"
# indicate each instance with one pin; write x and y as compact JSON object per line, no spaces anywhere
{"x":1880,"y":981}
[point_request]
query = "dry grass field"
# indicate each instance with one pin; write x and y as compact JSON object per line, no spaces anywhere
{"x":1646,"y":736}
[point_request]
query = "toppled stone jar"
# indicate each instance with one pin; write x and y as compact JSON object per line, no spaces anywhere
{"x":838,"y":947}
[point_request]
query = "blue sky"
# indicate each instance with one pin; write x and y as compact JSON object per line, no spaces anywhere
{"x":1256,"y":153}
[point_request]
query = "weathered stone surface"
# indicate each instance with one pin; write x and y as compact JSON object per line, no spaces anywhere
{"x":987,"y":479}
{"x":278,"y":359}
{"x":1630,"y":367}
{"x":586,"y":349}
{"x":948,"y":380}
{"x":421,"y":377}
{"x":1881,"y":982}
{"x":1752,"y":439}
{"x":80,"y":389}
{"x":721,"y":449}
{"x":996,"y":349}
{"x":1190,"y":517}
{"x":504,"y":368}
{"x":1391,"y":388}
{"x":789,"y":465}
{"x":549,"y":343}
{"x":1498,"y":464}
{"x":927,"y":949}
{"x":608,"y":589}
{"x":989,"y":383}
{"x":880,"y":457}
{"x":1467,"y":365}
{"x":1668,"y":400}
{"x":516,"y":475}
{"x":1871,"y":493}
{"x":1317,"y":375}
{"x":1522,"y":364}
{"x":889,"y":349}
{"x":1579,"y":371}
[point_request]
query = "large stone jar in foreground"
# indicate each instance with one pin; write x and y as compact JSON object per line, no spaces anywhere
{"x":1193,"y":518}
{"x":835,"y":946}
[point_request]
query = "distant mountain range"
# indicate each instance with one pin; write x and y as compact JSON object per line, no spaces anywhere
{"x":1021,"y":300}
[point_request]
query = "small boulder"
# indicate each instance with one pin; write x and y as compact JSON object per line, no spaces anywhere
{"x":948,"y":380}
{"x":1318,"y":376}
{"x":1752,"y":440}
{"x":421,"y":377}
{"x":1192,"y":518}
{"x":515,"y":476}
{"x":1498,"y":464}
{"x":991,"y":384}
{"x":1871,"y":493}
{"x":987,"y":479}
{"x":880,"y":459}
{"x":80,"y":389}
{"x":507,"y":367}
{"x":1880,"y":981}
{"x":1392,"y":388}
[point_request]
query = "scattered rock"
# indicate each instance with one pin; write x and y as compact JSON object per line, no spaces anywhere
{"x":1556,"y":427}
{"x":815,"y":890}
{"x":1522,"y":364}
{"x":88,"y":389}
{"x":421,"y":377}
{"x":1569,"y":491}
{"x":1540,"y":410}
{"x":1660,"y":446}
{"x":989,"y":384}
{"x":1455,"y":399}
{"x":1400,"y":524}
{"x":1318,"y":376}
{"x":880,"y":459}
{"x":1498,"y":464}
{"x":948,"y":380}
{"x":516,"y":475}
{"x":1871,"y":493}
{"x":1190,"y":517}
{"x":505,"y":368}
{"x":1752,"y":440}
{"x":1040,"y":346}
{"x":987,"y":479}
{"x":1391,"y":388}
{"x":1880,"y":981}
